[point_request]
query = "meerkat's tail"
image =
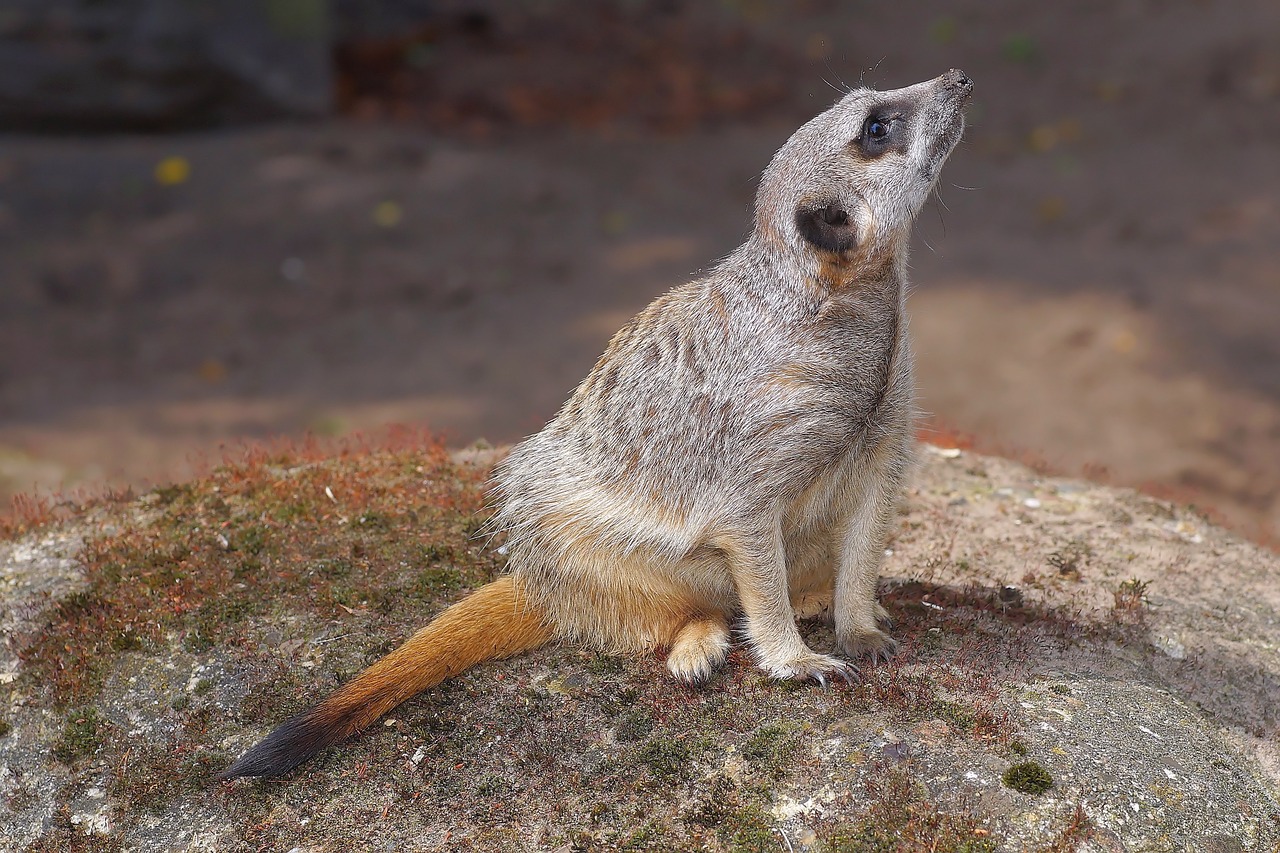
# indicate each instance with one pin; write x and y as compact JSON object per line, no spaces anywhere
{"x":494,"y":622}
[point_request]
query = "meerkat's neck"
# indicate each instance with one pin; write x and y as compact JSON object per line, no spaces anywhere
{"x":817,"y":275}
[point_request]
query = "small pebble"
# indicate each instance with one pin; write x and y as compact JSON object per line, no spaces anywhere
{"x":897,"y":751}
{"x":1010,"y":595}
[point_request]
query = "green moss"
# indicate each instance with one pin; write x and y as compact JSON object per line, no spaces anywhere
{"x":1060,"y":689}
{"x":196,"y":642}
{"x":666,"y":758}
{"x":492,"y":786}
{"x":5,"y":727}
{"x":82,"y":735}
{"x":1028,"y":777}
{"x":739,"y":815}
{"x":956,"y":715}
{"x":634,"y":725}
{"x":1018,"y":747}
{"x":670,"y":758}
{"x":866,"y":838}
{"x":331,"y":568}
{"x":375,"y":521}
{"x":435,"y":552}
{"x":771,"y":748}
{"x":750,"y":830}
{"x":263,"y":532}
{"x":251,"y":539}
{"x":127,"y":640}
{"x":289,"y":513}
{"x":604,"y":666}
{"x":433,"y":580}
{"x":648,"y":838}
{"x":473,"y":526}
{"x":719,"y":799}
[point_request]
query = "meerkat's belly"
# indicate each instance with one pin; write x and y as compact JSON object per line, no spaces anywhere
{"x":815,"y":521}
{"x":812,"y":524}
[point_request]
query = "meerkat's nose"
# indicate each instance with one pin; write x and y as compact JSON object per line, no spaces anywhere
{"x":956,"y":85}
{"x":957,"y":79}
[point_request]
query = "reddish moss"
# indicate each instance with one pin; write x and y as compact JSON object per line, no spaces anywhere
{"x":902,"y":817}
{"x":1072,"y":837}
{"x":277,"y":525}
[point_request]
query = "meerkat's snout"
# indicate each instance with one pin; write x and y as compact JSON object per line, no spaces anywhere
{"x":942,"y":120}
{"x":957,"y":81}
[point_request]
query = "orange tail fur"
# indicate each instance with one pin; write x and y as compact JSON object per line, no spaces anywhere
{"x":492,"y":623}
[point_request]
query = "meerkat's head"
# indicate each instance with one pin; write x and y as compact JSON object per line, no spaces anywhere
{"x":850,"y":182}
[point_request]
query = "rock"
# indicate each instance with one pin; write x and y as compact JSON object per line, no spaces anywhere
{"x":150,"y":64}
{"x":1116,"y":743}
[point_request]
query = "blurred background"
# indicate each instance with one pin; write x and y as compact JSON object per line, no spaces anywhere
{"x":255,"y":218}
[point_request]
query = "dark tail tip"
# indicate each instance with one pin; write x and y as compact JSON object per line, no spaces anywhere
{"x":292,"y":743}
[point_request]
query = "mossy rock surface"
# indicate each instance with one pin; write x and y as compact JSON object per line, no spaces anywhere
{"x":152,"y":641}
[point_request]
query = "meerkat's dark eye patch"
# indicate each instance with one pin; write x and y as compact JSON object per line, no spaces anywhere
{"x":884,"y":129}
{"x":828,"y":228}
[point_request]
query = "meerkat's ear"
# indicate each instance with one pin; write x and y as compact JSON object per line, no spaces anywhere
{"x":828,"y":227}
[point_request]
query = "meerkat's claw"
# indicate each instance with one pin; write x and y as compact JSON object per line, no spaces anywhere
{"x":875,"y":644}
{"x":689,"y":669}
{"x":814,"y":667}
{"x":882,"y":617}
{"x":881,"y":656}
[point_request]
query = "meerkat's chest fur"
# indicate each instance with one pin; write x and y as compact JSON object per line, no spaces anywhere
{"x":860,"y":350}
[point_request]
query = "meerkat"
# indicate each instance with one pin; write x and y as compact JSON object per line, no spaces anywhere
{"x":735,"y":456}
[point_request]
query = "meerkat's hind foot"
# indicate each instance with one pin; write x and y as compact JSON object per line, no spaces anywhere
{"x":813,"y":605}
{"x":698,"y":648}
{"x":812,"y":666}
{"x":882,"y":616}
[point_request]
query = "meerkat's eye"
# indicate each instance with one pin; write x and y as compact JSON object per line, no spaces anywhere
{"x":881,"y":130}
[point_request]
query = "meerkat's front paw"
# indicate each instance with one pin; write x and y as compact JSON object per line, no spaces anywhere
{"x":812,"y":666}
{"x":873,"y":643}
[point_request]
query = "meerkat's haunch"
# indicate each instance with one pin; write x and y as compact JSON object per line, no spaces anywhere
{"x":734,"y":457}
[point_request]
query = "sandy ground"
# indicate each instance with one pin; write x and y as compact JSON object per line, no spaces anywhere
{"x":1097,"y":285}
